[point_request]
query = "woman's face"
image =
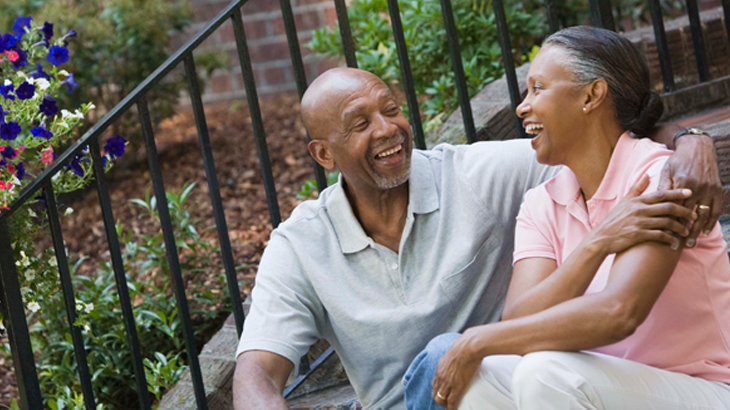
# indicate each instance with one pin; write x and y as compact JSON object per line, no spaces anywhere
{"x":553,"y":108}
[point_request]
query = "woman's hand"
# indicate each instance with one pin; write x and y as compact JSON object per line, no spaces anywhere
{"x":454,"y":374}
{"x":637,"y":219}
{"x":694,"y":166}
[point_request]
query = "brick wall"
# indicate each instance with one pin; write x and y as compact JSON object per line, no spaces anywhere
{"x":267,"y":45}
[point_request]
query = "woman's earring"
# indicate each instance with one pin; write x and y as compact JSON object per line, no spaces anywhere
{"x":585,"y":109}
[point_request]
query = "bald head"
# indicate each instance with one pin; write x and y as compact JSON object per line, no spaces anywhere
{"x":327,"y":93}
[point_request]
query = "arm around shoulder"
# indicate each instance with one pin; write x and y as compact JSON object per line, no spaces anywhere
{"x":259,"y":380}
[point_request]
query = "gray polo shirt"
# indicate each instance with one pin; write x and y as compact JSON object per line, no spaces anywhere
{"x":321,"y":276}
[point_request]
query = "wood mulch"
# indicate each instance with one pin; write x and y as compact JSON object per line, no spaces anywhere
{"x":239,"y":176}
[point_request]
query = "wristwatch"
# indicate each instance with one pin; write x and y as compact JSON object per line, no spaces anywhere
{"x":691,"y":131}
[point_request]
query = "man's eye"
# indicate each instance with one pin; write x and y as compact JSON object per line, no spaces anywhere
{"x":392,"y":110}
{"x":361,"y":125}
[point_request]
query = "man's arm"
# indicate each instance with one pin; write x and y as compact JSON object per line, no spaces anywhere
{"x":259,"y":380}
{"x":693,"y":166}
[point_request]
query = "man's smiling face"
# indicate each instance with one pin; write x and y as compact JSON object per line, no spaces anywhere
{"x":359,"y":128}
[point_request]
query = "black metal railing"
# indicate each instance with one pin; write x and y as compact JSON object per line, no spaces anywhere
{"x":10,"y":294}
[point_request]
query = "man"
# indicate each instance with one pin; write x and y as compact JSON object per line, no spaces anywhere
{"x":408,"y":245}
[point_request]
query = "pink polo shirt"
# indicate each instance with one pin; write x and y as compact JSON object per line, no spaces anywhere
{"x":688,"y":329}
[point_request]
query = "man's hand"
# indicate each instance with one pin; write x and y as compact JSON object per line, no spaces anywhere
{"x":455,"y":371}
{"x":694,"y":166}
{"x":651,"y":217}
{"x":259,"y":380}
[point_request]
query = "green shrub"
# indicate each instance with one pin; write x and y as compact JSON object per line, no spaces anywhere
{"x":427,"y":47}
{"x":100,"y":317}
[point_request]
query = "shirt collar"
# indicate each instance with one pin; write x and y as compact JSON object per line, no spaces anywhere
{"x":423,"y":198}
{"x":564,"y":187}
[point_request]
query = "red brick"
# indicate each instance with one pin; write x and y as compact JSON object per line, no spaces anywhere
{"x":275,"y":75}
{"x":278,"y":50}
{"x":258,"y":6}
{"x":330,"y":16}
{"x":206,"y":11}
{"x":254,"y":29}
{"x":304,"y":21}
{"x":298,"y":3}
{"x":220,"y":83}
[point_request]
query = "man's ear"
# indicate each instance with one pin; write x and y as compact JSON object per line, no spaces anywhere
{"x":596,"y":93}
{"x":321,"y":153}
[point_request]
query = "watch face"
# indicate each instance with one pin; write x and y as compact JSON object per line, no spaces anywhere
{"x":695,"y":131}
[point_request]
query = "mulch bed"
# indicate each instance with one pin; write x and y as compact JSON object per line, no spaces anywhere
{"x":239,"y":176}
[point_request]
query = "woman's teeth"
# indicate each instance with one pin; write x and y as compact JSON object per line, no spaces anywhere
{"x":389,"y":152}
{"x":533,"y":129}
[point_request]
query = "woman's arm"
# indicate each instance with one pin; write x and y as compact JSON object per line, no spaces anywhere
{"x":637,"y":278}
{"x":537,"y":283}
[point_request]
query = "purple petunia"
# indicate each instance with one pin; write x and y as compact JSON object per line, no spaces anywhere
{"x":41,"y":132}
{"x":20,"y":170}
{"x":70,"y":83}
{"x":9,"y":153}
{"x":5,"y":91}
{"x":47,"y":31}
{"x":25,"y":91}
{"x":22,"y":61}
{"x":48,"y":106}
{"x":39,"y":73}
{"x":71,"y":33}
{"x":75,"y":165}
{"x":115,"y":146}
{"x":22,"y":24}
{"x":57,"y":55}
{"x":9,"y":131}
{"x":9,"y":41}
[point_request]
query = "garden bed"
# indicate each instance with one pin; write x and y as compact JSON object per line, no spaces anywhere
{"x":238,"y":170}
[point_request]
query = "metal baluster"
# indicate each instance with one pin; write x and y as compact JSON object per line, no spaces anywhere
{"x":348,"y":44}
{"x":118,"y":265}
{"x":660,"y":37}
{"x":17,"y":326}
{"x":509,"y":63}
{"x":552,"y":16}
{"x":698,"y":40}
{"x":726,"y":17}
{"x":405,"y":71}
{"x":68,"y":296}
{"x":458,"y":68}
{"x":602,"y":14}
{"x":258,"y":125}
{"x":299,"y":76}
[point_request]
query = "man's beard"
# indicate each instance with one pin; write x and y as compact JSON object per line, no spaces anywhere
{"x":389,"y":181}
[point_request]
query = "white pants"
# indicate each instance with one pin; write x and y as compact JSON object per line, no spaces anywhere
{"x":560,"y":380}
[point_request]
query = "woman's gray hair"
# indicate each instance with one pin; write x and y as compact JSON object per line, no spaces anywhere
{"x":596,"y":53}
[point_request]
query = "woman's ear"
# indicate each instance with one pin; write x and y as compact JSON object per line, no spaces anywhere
{"x":596,"y":93}
{"x":321,"y":153}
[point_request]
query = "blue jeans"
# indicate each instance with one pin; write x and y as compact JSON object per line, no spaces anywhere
{"x":420,"y":374}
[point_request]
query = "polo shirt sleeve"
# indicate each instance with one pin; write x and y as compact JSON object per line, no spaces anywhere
{"x":532,"y":233}
{"x":284,"y":308}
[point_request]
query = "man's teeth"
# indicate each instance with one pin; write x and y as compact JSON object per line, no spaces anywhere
{"x":533,"y":129}
{"x":389,"y":152}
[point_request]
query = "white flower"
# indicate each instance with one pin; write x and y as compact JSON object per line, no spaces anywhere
{"x":89,"y":307}
{"x":69,"y":211}
{"x":8,"y":82}
{"x":30,"y":275}
{"x":36,"y":95}
{"x":86,"y":329}
{"x":34,"y":306}
{"x":42,"y":83}
{"x":21,"y":74}
{"x":24,"y":290}
{"x":64,"y":72}
{"x":31,"y":213}
{"x":65,"y":113}
{"x":79,"y":115}
{"x":79,"y":305}
{"x":53,"y":262}
{"x":92,"y":106}
{"x":29,"y":80}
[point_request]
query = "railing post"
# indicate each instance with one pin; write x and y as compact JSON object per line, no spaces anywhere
{"x":660,"y":38}
{"x":348,"y":44}
{"x":17,"y":326}
{"x":602,"y":14}
{"x":698,"y":40}
{"x":552,"y":16}
{"x":509,"y":63}
{"x":458,"y":68}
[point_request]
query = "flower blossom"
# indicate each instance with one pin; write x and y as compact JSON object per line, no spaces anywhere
{"x":47,"y":31}
{"x":47,"y":156}
{"x":41,"y":132}
{"x":34,"y":307}
{"x":22,"y":25}
{"x":48,"y":106}
{"x":39,"y":73}
{"x":22,"y":61}
{"x":20,"y":170}
{"x":70,"y":83}
{"x":89,"y":308}
{"x":9,"y":132}
{"x":8,"y":153}
{"x":6,"y":89}
{"x":57,"y":55}
{"x":13,"y":56}
{"x":25,"y":90}
{"x":115,"y":146}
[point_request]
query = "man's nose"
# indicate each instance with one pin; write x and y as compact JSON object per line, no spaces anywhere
{"x":384,"y":128}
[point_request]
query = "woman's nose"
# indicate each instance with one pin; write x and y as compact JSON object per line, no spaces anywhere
{"x":523,"y":109}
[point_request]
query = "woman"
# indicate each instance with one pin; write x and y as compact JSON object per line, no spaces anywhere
{"x":649,"y":327}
